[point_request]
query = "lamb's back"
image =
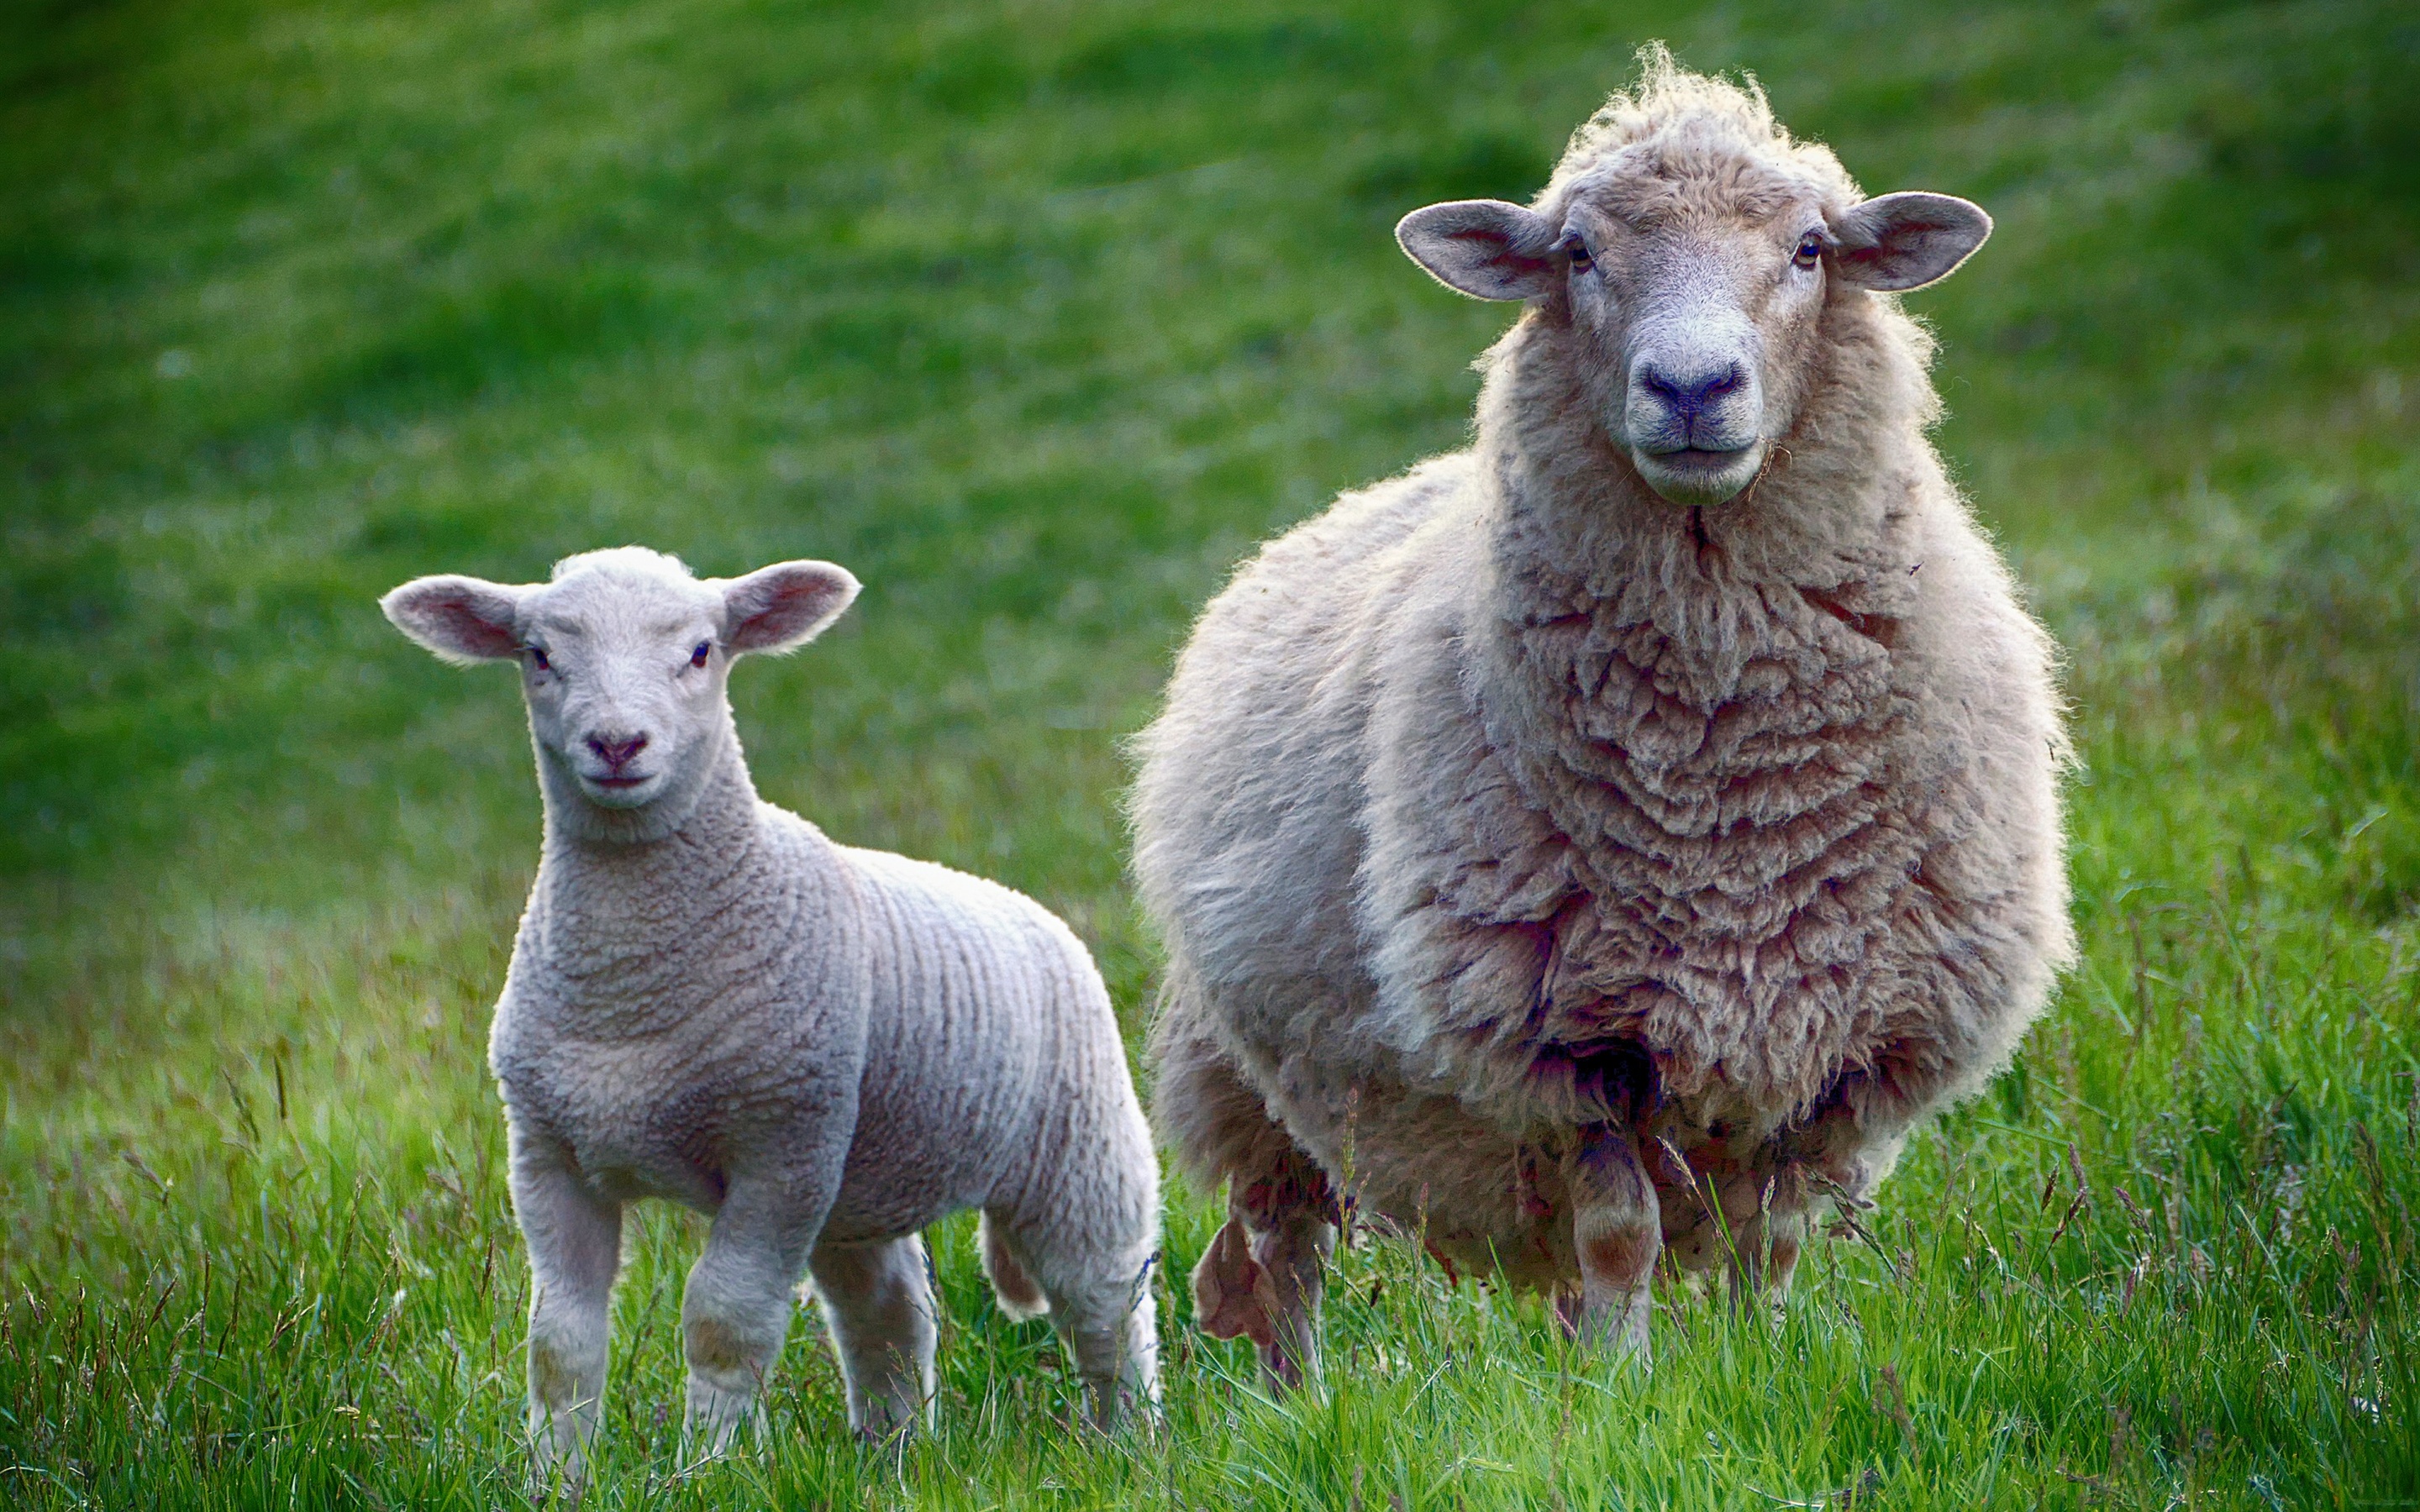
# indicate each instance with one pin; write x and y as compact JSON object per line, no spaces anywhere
{"x":986,"y":1021}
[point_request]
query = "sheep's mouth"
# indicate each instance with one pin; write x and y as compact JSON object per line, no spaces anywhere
{"x":620,"y":789}
{"x":1696,"y":475}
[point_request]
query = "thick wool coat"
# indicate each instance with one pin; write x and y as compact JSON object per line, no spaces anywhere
{"x":1506,"y":797}
{"x":747,"y":996}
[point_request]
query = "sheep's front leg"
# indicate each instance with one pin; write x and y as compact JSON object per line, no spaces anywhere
{"x":736,"y":1313}
{"x":1617,"y":1231}
{"x":877,"y":1300}
{"x":575,"y":1246}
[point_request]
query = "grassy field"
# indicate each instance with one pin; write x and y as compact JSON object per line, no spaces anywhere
{"x":1037,"y":316}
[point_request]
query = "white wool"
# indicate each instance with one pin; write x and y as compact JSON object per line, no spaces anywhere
{"x":827,"y":1049}
{"x":1509,"y":811}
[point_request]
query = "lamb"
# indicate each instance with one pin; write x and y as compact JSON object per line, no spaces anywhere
{"x":1614,"y":838}
{"x":824,"y":1048}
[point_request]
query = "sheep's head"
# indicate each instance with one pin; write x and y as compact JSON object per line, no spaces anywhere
{"x":1685,"y":252}
{"x":625,"y":658}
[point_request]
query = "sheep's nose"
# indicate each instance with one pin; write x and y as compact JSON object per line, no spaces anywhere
{"x":616,"y":754}
{"x":1689,"y":391}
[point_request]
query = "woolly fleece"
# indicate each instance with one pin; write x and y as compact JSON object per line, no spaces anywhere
{"x":1508,"y":802}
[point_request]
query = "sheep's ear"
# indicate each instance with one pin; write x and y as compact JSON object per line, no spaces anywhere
{"x":461,"y":619}
{"x":1485,"y":248}
{"x":783,"y":606}
{"x":1907,"y":240}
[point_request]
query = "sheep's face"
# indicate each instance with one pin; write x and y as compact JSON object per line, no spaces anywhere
{"x":1691,"y":287}
{"x":625,"y":659}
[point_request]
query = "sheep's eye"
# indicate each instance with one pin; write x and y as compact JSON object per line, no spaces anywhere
{"x":697,"y":657}
{"x":1810,"y":251}
{"x":538,"y":658}
{"x":1578,"y":251}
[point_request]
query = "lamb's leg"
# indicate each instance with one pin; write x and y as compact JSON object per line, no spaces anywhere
{"x":877,"y":1301}
{"x":1110,"y":1324}
{"x":735,"y":1312}
{"x":1617,"y":1230}
{"x":575,"y":1247}
{"x":1093,"y":1281}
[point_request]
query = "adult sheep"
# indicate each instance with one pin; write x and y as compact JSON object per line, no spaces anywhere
{"x":1649,"y":812}
{"x":827,"y":1049}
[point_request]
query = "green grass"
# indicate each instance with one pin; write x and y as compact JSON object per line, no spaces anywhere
{"x":1037,"y":316}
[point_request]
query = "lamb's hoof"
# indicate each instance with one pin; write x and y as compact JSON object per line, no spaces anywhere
{"x":558,"y":1481}
{"x":714,"y":1429}
{"x":886,"y":1424}
{"x":1233,"y":1295}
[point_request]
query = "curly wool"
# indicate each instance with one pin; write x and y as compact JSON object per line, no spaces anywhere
{"x":1506,"y":797}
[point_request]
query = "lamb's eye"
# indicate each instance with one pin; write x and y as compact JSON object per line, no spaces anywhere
{"x":1578,"y":251}
{"x":697,"y":657}
{"x":538,"y":658}
{"x":1810,"y":251}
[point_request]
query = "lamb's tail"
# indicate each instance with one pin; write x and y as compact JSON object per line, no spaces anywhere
{"x":1020,"y":1297}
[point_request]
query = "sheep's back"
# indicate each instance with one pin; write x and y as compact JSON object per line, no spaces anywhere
{"x":1244,"y":808}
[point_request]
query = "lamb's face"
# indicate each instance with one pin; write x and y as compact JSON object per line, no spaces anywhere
{"x":624,"y":660}
{"x":1690,"y":286}
{"x":625,"y":677}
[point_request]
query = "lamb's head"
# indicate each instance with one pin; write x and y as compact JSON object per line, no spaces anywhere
{"x":625,"y":660}
{"x":1683,"y":258}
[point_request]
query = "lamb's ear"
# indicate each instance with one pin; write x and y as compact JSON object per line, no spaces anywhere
{"x":1907,"y":240}
{"x":1485,"y":248}
{"x":785,"y":605}
{"x":461,"y":619}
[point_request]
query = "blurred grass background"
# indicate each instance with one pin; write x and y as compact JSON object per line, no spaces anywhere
{"x":1037,"y":316}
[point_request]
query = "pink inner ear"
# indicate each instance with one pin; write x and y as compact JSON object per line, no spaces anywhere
{"x":784,"y":610}
{"x":1505,"y":257}
{"x":473,"y":630}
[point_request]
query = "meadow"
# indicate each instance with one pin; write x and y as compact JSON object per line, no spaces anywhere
{"x":1038,"y":316}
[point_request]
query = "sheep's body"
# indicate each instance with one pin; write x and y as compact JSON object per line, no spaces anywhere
{"x":748,"y":998}
{"x":826,"y":1048}
{"x":1507,"y":803}
{"x":945,"y":1041}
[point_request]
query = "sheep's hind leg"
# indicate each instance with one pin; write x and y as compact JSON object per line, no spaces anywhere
{"x":877,"y":1301}
{"x":1764,"y":1219}
{"x":1109,"y":1325}
{"x":1263,"y":1272}
{"x":1260,"y":1277}
{"x":1617,"y":1230}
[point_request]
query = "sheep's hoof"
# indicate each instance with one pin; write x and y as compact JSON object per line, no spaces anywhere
{"x":1617,"y":1329}
{"x":1233,"y":1295}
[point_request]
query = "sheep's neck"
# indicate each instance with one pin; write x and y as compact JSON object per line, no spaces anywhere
{"x":617,"y":926}
{"x":1820,"y":542}
{"x":1719,"y":668}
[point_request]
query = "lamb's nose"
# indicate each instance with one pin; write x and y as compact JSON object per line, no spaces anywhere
{"x":1690,"y":391}
{"x":616,"y":754}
